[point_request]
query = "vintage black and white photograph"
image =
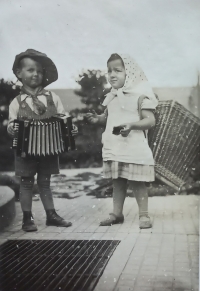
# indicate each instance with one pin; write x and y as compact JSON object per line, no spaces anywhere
{"x":99,"y":145}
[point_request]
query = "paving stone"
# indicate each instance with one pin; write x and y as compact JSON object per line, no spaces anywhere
{"x":165,"y":289}
{"x":127,"y":283}
{"x":124,"y":288}
{"x":149,"y":272}
{"x":150,"y":262}
{"x":125,"y":277}
{"x":143,"y":288}
{"x":134,"y":270}
{"x":166,"y":273}
{"x":163,"y":284}
{"x":144,"y":281}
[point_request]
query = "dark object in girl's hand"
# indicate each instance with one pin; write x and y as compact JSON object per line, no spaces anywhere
{"x":117,"y":129}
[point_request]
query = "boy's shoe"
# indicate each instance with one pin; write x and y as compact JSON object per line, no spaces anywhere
{"x":145,"y":222}
{"x":53,"y":219}
{"x":28,"y":222}
{"x":113,"y":219}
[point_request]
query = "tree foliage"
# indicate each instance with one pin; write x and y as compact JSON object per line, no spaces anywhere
{"x":7,"y":92}
{"x":93,"y":88}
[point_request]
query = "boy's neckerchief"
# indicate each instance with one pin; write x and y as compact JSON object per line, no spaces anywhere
{"x":136,"y":84}
{"x":38,"y":107}
{"x":24,"y":91}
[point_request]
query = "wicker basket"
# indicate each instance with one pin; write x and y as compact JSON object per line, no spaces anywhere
{"x":174,"y":142}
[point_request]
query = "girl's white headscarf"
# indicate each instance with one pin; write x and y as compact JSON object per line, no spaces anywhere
{"x":136,"y":84}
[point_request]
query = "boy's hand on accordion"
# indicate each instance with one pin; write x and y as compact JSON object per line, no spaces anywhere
{"x":74,"y":130}
{"x":92,"y":117}
{"x":11,"y":131}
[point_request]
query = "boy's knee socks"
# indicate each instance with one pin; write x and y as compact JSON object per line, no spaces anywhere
{"x":26,"y":188}
{"x":45,"y":191}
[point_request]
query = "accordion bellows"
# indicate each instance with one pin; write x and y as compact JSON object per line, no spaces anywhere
{"x":174,"y":142}
{"x":43,"y":137}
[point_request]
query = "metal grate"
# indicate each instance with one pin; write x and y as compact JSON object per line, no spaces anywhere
{"x":51,"y":265}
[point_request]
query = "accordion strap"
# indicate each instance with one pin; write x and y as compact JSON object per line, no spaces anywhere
{"x":19,"y":99}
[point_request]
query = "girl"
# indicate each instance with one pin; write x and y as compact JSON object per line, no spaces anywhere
{"x":127,"y":156}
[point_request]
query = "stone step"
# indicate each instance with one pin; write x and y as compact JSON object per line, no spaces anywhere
{"x":7,"y":206}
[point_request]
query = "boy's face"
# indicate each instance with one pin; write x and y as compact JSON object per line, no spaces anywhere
{"x":30,"y":73}
{"x":116,"y":74}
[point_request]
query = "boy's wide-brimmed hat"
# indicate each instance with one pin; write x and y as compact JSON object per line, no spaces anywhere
{"x":51,"y":73}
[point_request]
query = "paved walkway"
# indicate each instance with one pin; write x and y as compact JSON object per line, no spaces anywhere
{"x":162,"y":258}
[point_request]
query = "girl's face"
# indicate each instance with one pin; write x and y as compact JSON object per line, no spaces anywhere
{"x":30,"y":73}
{"x":116,"y":74}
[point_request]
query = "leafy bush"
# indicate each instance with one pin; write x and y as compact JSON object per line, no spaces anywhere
{"x":93,"y":85}
{"x":7,"y":92}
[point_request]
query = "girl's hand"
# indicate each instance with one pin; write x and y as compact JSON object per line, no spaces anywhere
{"x":74,"y":130}
{"x":11,"y":131}
{"x":126,"y":129}
{"x":92,"y":117}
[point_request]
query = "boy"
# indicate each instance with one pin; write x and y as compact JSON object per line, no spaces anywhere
{"x":35,"y":70}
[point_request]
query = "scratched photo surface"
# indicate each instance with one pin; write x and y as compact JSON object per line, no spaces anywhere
{"x":100,"y":171}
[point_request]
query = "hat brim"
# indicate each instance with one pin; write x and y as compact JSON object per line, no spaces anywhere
{"x":50,"y":70}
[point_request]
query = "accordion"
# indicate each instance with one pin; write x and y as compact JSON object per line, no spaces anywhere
{"x":174,"y":142}
{"x":43,"y":137}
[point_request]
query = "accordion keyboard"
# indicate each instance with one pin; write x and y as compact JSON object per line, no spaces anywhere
{"x":15,"y":139}
{"x":43,"y":137}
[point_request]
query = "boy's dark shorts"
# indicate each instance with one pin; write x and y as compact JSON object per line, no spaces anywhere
{"x":29,"y":166}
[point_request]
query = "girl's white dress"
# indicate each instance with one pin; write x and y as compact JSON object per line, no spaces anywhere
{"x":128,"y":157}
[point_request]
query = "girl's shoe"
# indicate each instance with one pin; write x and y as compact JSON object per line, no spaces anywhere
{"x":28,"y":222}
{"x":112,"y":220}
{"x":53,"y":219}
{"x":145,"y":222}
